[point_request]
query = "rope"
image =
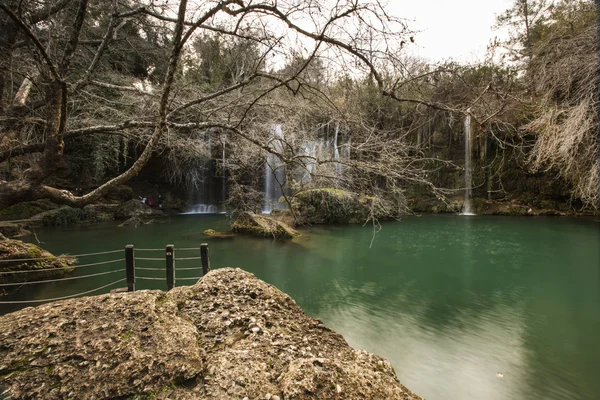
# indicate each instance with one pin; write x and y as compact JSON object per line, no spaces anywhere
{"x":64,"y":297}
{"x":99,"y":263}
{"x":150,"y":269}
{"x":58,"y":269}
{"x":188,"y":258}
{"x":37,"y":259}
{"x":187,"y":269}
{"x":61,"y":279}
{"x":149,"y":259}
{"x":149,"y":279}
{"x":188,"y":279}
{"x":186,"y":249}
{"x":136,"y":249}
{"x":97,"y":254}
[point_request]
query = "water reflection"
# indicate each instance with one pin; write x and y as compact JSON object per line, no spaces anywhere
{"x":450,"y":301}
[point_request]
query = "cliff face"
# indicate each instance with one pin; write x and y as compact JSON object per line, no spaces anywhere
{"x":230,"y":336}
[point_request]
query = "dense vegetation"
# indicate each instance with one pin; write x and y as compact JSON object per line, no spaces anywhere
{"x":92,"y":94}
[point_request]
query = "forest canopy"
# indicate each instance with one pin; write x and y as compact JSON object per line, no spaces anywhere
{"x":91,"y":92}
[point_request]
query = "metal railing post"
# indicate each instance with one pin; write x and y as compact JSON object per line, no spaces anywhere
{"x":205,"y":259}
{"x":130,"y":267}
{"x":170,"y":255}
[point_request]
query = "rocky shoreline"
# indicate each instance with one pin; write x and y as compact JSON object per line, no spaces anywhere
{"x":230,"y":336}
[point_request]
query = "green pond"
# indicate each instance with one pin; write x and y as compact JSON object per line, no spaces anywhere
{"x":451,"y":301}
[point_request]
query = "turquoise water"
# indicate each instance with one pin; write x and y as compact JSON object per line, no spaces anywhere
{"x":450,"y":301}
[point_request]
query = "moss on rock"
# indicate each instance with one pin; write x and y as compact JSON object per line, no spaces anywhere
{"x":26,"y":210}
{"x":216,"y":234}
{"x":262,"y":225}
{"x":336,"y":206}
{"x":133,"y":208}
{"x":14,"y":252}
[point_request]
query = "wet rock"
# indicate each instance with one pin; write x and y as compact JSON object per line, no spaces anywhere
{"x":152,"y":344}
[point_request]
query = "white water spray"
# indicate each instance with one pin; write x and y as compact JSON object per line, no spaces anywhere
{"x":467,"y":208}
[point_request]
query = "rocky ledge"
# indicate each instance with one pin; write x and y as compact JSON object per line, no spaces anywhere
{"x":230,"y":336}
{"x":17,"y":256}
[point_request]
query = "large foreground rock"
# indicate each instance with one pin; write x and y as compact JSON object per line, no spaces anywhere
{"x":230,"y":336}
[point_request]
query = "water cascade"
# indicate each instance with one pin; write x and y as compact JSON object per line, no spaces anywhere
{"x":467,"y":208}
{"x":336,"y":152}
{"x":202,"y":209}
{"x":200,"y":195}
{"x":274,"y":172}
{"x":224,"y":177}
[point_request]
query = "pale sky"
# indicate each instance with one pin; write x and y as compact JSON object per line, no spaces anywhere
{"x":457,"y":29}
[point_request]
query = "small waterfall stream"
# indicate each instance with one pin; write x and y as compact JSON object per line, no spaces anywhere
{"x":274,"y":172}
{"x":223,"y":177}
{"x":336,"y":152}
{"x":467,"y":208}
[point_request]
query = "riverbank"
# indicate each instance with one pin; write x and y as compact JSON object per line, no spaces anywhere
{"x":230,"y":336}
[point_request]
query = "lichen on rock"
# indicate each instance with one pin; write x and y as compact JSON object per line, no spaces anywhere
{"x":230,"y":336}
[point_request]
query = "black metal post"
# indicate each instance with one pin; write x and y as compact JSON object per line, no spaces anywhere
{"x":204,"y":257}
{"x":170,"y":257}
{"x":130,"y":267}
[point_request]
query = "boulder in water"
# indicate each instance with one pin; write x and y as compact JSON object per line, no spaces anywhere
{"x":336,"y":206}
{"x":133,"y":208}
{"x":193,"y":342}
{"x":16,"y":255}
{"x":262,"y":225}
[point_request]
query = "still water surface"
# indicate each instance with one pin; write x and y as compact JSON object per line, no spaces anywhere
{"x":450,"y":301}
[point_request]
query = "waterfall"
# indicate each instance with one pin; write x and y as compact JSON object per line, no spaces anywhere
{"x":200,"y":194}
{"x":274,"y":172}
{"x":336,"y":152}
{"x":223,"y":177}
{"x":467,"y":208}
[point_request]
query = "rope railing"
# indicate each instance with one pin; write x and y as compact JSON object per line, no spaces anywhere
{"x":54,"y":258}
{"x":148,"y":278}
{"x":63,"y":297}
{"x":61,"y":268}
{"x":136,"y":249}
{"x":98,"y":253}
{"x":129,"y":269}
{"x":60,"y":279}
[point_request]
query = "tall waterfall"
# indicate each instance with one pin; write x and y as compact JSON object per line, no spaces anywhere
{"x":336,"y":152}
{"x":274,"y":172}
{"x":224,"y":177}
{"x":467,"y":208}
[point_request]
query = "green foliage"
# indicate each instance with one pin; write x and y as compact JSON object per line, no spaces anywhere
{"x":26,"y":210}
{"x":68,"y":216}
{"x":335,"y":206}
